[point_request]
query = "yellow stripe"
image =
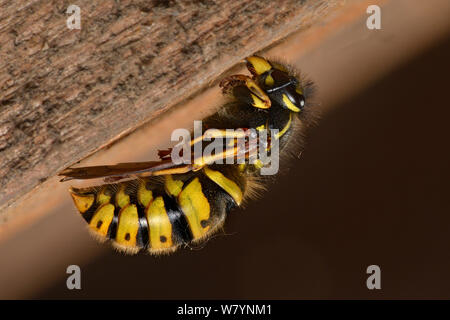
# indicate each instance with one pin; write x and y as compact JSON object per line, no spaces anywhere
{"x":227,"y":184}
{"x":195,"y":207}
{"x":160,"y":228}
{"x":259,"y":97}
{"x":122,"y":199}
{"x":289,"y":104}
{"x":258,"y":164}
{"x":254,"y":88}
{"x":102,"y":219}
{"x":269,"y":80}
{"x":82,"y":202}
{"x":258,"y":103}
{"x":279,"y":66}
{"x":173,"y":187}
{"x":102,"y":197}
{"x":128,"y":226}
{"x":299,"y":90}
{"x":144,"y":195}
{"x":261,"y":127}
{"x":259,"y":64}
{"x":286,"y":127}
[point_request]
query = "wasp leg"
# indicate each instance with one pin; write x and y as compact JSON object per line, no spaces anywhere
{"x":221,"y":133}
{"x":162,"y":154}
{"x":246,"y":89}
{"x":175,"y":170}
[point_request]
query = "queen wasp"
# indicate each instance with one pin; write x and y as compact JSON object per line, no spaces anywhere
{"x":164,"y":205}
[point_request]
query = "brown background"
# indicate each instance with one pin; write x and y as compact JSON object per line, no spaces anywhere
{"x":371,"y":188}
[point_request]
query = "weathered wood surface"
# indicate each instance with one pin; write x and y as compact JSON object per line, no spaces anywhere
{"x":65,"y":93}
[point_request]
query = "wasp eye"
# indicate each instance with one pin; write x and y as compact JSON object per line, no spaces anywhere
{"x":301,"y":101}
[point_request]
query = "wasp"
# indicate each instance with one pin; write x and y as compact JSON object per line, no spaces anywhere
{"x":164,"y":205}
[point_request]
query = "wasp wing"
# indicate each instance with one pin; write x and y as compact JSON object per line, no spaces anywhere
{"x":164,"y":166}
{"x":118,"y":170}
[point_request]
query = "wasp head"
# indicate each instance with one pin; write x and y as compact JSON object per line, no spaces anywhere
{"x":277,"y":82}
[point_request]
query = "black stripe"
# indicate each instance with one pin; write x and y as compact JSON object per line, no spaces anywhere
{"x":220,"y":200}
{"x":113,"y":226}
{"x":243,"y":93}
{"x":90,"y":212}
{"x":181,"y":233}
{"x":142,"y":238}
{"x":112,"y":229}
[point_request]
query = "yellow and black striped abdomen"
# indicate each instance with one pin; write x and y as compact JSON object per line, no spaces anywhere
{"x":160,"y":214}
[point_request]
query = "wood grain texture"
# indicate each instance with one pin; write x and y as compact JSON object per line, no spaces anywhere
{"x":66,"y":93}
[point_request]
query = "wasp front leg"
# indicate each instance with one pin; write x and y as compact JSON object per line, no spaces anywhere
{"x":245,"y":89}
